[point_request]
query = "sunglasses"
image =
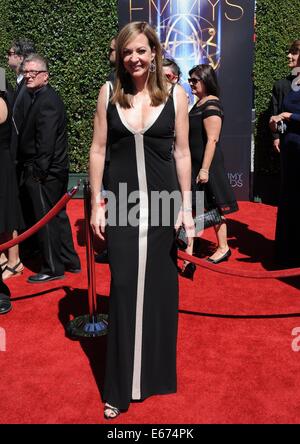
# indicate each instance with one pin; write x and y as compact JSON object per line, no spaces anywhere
{"x":193,"y":81}
{"x":32,"y":73}
{"x":10,"y":53}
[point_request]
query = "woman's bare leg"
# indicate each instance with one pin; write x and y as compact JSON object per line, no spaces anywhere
{"x":221,"y":233}
{"x":14,"y":262}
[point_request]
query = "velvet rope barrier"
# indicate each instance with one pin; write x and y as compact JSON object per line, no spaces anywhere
{"x":181,"y":254}
{"x":90,"y":258}
{"x":92,"y":324}
{"x":45,"y":219}
{"x":241,"y":273}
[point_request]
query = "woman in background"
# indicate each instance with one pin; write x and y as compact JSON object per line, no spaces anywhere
{"x":287,"y":237}
{"x":208,"y":171}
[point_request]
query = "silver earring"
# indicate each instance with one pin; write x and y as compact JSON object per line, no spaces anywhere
{"x":152,"y":67}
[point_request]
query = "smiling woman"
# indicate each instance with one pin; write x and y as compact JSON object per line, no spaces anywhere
{"x":140,"y":60}
{"x":139,"y":119}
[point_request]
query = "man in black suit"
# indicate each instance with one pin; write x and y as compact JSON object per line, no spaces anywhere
{"x":43,"y":160}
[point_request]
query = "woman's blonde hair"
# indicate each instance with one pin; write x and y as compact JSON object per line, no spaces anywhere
{"x":124,"y":87}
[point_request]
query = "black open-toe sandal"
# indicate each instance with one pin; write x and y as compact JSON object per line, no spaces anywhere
{"x":111,"y":412}
{"x":14,"y":271}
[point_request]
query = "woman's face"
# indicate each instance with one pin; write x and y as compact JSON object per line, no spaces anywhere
{"x":197,"y":86}
{"x":293,"y":60}
{"x":137,"y":56}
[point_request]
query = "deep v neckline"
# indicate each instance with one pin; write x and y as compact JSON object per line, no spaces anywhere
{"x":154,"y":117}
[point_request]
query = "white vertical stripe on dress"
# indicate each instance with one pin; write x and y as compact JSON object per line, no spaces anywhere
{"x":143,"y":245}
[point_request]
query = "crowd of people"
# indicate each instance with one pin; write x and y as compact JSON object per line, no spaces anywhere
{"x":147,"y":136}
{"x":34,"y":169}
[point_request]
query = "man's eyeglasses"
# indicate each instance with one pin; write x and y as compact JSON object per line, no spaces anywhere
{"x":10,"y":53}
{"x":32,"y":73}
{"x":193,"y":80}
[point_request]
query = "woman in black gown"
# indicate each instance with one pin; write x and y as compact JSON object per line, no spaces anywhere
{"x":208,"y":171}
{"x":10,"y":209}
{"x":138,"y":121}
{"x":287,"y":238}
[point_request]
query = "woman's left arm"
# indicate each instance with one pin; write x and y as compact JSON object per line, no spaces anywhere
{"x":212,"y":126}
{"x":182,"y":156}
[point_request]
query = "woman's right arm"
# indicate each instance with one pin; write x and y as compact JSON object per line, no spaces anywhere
{"x":3,"y":111}
{"x":96,"y":163}
{"x":212,"y":126}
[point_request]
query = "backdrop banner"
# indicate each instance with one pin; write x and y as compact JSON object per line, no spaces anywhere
{"x":218,"y":32}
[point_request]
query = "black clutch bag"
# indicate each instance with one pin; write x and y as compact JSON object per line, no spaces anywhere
{"x":205,"y":220}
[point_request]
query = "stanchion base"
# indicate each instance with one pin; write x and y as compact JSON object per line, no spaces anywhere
{"x":88,"y":326}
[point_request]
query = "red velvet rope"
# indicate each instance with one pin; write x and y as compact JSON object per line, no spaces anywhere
{"x":242,"y":273}
{"x":181,"y":254}
{"x":45,"y":219}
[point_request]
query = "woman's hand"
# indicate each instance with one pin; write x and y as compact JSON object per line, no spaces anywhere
{"x":203,"y":176}
{"x":279,"y":118}
{"x":178,"y":222}
{"x":273,"y":122}
{"x":285,"y":116}
{"x":189,"y":225}
{"x":98,"y":220}
{"x":185,"y":218}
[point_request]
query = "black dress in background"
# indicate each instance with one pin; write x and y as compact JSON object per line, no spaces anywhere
{"x":10,"y":210}
{"x":141,"y":351}
{"x":287,"y":239}
{"x":217,"y":191}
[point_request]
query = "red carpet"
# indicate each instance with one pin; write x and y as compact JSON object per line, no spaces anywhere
{"x":235,"y":360}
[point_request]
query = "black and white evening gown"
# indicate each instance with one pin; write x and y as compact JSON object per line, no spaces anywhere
{"x":141,"y":349}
